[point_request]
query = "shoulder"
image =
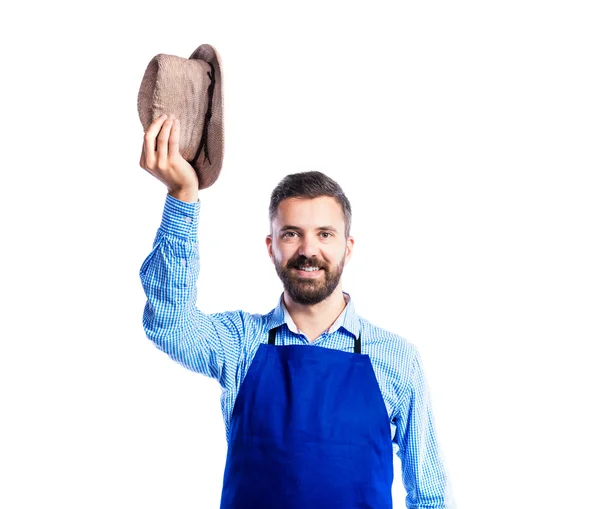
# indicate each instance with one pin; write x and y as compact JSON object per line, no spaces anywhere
{"x":379,"y":337}
{"x":388,"y":349}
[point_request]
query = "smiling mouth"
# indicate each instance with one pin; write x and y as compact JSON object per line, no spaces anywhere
{"x":305,"y":268}
{"x":308,"y":269}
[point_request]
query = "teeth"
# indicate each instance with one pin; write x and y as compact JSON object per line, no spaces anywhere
{"x":309,"y":269}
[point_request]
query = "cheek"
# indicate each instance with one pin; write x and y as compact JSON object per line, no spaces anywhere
{"x":279,"y":253}
{"x":335,"y":254}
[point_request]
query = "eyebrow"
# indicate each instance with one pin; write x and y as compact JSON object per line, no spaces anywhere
{"x":328,"y":228}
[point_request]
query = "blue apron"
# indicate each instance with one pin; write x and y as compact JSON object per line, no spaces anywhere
{"x":309,"y":430}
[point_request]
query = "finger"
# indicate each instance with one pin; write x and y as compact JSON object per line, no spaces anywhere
{"x":162,"y":145}
{"x":156,"y":124}
{"x":143,"y":158}
{"x":174,"y":138}
{"x":144,"y":161}
{"x":149,"y":146}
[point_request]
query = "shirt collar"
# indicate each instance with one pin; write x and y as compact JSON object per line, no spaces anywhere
{"x":277,"y":316}
{"x":348,"y":319}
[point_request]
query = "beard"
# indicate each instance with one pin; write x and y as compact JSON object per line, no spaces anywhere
{"x":309,"y":291}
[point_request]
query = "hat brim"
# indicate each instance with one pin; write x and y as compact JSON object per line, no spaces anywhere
{"x":208,"y":166}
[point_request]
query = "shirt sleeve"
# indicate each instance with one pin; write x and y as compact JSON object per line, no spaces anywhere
{"x":205,"y":343}
{"x":423,"y":472}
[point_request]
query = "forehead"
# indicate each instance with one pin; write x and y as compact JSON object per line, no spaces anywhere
{"x":309,"y":213}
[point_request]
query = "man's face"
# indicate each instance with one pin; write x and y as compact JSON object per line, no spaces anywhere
{"x":309,"y":248}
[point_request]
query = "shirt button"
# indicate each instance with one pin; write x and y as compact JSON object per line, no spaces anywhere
{"x":183,"y":262}
{"x":188,"y":220}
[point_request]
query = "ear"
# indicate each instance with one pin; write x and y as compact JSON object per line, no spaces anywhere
{"x":269,"y":241}
{"x":349,"y":248}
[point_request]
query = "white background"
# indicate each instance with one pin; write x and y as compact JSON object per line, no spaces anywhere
{"x":465,"y":134}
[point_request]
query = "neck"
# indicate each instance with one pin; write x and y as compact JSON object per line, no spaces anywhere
{"x":314,"y":319}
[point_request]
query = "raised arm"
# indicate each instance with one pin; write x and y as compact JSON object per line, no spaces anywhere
{"x":204,"y":343}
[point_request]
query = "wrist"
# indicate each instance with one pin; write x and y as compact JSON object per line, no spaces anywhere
{"x":189,"y":195}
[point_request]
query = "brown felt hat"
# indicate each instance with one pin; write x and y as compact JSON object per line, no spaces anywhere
{"x":191,"y":89}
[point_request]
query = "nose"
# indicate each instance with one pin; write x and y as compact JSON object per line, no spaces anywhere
{"x":309,"y":247}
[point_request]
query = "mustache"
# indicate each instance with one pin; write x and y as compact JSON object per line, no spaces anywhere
{"x":302,"y":261}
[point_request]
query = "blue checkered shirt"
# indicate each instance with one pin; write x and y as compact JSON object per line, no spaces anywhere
{"x":222,"y":346}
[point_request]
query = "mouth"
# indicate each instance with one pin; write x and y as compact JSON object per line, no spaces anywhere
{"x":307,"y":271}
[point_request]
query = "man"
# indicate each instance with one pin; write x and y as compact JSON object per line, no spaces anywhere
{"x":314,"y":397}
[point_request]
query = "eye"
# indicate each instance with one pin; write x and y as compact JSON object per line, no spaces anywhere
{"x":326,"y":235}
{"x":289,"y":234}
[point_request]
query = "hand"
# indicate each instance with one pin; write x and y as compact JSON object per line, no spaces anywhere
{"x":162,"y":159}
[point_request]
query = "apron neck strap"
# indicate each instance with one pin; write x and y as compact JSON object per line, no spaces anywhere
{"x":357,"y":344}
{"x":272,"y":336}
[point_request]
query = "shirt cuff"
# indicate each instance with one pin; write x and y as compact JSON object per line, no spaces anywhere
{"x":180,"y":218}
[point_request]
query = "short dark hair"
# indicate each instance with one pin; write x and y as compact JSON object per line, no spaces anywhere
{"x":310,"y":184}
